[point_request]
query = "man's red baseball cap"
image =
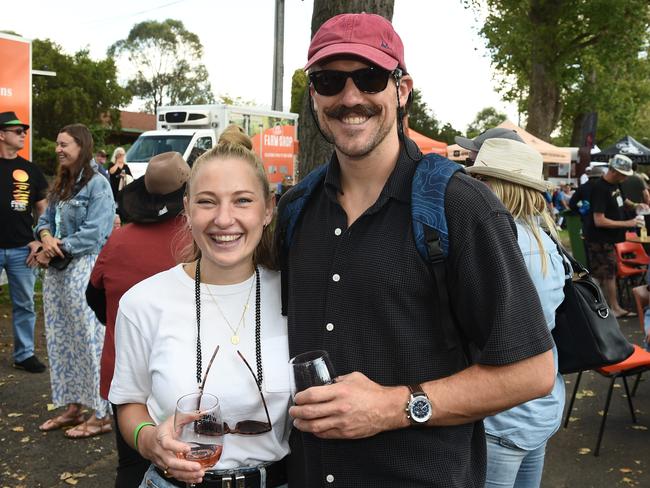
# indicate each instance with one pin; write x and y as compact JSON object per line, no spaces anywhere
{"x":367,"y":36}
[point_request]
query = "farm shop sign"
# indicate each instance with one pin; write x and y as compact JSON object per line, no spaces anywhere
{"x":16,"y":81}
{"x":278,"y":140}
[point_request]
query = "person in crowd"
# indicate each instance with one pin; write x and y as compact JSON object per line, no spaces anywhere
{"x":118,"y":171}
{"x":634,"y":188}
{"x":23,"y":200}
{"x":358,"y":288}
{"x":606,"y":225}
{"x":225,"y":295}
{"x":580,"y":201}
{"x":516,"y":438}
{"x":72,"y":231}
{"x":148,"y":244}
{"x":474,"y":145}
{"x":100,"y":159}
{"x":561,"y":199}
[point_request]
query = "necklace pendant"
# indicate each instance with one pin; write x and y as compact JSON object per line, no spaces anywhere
{"x":234,"y":339}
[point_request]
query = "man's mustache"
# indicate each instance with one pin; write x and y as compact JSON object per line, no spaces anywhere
{"x":360,"y":110}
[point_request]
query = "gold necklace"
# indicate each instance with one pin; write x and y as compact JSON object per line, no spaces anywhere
{"x":234,"y":338}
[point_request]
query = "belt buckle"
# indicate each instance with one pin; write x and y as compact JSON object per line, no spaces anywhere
{"x":239,"y":481}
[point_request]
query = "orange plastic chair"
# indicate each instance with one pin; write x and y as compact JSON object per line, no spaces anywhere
{"x":633,"y":254}
{"x":636,"y":364}
{"x":627,"y":276}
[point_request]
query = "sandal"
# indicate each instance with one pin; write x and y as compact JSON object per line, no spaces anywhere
{"x":86,"y":429}
{"x":61,"y":421}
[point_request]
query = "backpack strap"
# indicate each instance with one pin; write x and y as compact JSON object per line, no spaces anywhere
{"x":289,"y":211}
{"x":430,"y":231}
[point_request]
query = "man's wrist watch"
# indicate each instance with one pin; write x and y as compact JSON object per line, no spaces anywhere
{"x":418,"y":409}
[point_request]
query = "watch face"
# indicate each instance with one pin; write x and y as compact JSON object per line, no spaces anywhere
{"x":420,"y":409}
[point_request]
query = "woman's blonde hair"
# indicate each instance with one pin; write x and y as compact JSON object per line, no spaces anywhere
{"x":235,"y":144}
{"x":528,"y":206}
{"x":119,"y":151}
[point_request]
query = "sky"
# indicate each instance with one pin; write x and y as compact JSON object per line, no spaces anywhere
{"x":443,"y":51}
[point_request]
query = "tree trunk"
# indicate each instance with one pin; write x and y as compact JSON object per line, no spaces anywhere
{"x":544,"y":106}
{"x":314,"y":150}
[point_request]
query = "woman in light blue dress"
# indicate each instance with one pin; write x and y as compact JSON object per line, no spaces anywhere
{"x":516,"y":438}
{"x":75,"y":226}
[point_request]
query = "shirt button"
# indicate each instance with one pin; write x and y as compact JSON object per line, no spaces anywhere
{"x":329,"y":478}
{"x":336,"y":277}
{"x":330,"y":327}
{"x":337,"y":231}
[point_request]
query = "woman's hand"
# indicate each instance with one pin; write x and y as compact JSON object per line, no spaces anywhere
{"x":41,"y":259}
{"x":51,"y":246}
{"x":158,"y":446}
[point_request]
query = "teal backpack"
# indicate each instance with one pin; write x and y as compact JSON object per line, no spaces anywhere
{"x":430,"y":231}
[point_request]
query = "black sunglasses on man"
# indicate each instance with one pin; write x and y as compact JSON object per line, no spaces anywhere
{"x":330,"y":82}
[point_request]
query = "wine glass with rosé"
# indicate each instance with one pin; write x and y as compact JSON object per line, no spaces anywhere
{"x":198,"y":422}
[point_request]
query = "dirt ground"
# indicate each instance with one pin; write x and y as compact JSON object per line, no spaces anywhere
{"x":32,"y":459}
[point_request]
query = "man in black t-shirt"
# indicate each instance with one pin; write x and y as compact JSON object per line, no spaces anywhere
{"x":606,"y":225}
{"x":22,"y":200}
{"x":359,"y":289}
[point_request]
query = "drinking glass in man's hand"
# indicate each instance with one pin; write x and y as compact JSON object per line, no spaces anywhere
{"x":198,"y":422}
{"x":313,"y":368}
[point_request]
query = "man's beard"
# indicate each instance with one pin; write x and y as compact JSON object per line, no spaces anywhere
{"x":341,"y":112}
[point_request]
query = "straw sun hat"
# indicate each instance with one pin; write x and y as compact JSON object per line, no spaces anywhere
{"x":512,"y":161}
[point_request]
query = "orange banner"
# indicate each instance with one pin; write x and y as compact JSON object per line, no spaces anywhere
{"x":16,"y":82}
{"x":277,"y":151}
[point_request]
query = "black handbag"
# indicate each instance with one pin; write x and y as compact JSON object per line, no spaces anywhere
{"x":586,"y":333}
{"x":60,"y":263}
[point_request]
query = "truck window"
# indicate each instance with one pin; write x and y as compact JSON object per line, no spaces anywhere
{"x":201,"y":146}
{"x":146,"y":147}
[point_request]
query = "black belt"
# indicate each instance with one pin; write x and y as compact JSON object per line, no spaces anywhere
{"x":276,"y":475}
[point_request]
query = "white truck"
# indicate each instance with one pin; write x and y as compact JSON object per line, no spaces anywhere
{"x":193,"y":129}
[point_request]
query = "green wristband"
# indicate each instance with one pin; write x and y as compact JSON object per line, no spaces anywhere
{"x":137,"y":430}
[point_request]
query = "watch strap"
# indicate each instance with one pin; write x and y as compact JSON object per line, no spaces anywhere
{"x":416,"y":390}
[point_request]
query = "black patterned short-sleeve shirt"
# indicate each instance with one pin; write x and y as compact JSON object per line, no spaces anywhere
{"x":364,"y":294}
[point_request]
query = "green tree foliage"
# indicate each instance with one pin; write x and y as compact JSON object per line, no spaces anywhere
{"x":421,"y":117}
{"x":82,"y":91}
{"x":299,"y":84}
{"x":447,"y":134}
{"x":165,"y":59}
{"x":546,"y":50}
{"x":486,"y":119}
{"x":239,"y":101}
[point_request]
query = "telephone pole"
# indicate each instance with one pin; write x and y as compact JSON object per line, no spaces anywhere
{"x":278,"y":56}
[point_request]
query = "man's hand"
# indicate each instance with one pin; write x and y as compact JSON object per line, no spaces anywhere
{"x":34,"y":247}
{"x":642,"y":207}
{"x":352,"y":408}
{"x":638,"y":221}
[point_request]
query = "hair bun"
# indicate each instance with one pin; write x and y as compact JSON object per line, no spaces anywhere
{"x":235,"y":135}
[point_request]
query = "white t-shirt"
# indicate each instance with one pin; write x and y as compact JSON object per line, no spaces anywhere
{"x":155,"y":341}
